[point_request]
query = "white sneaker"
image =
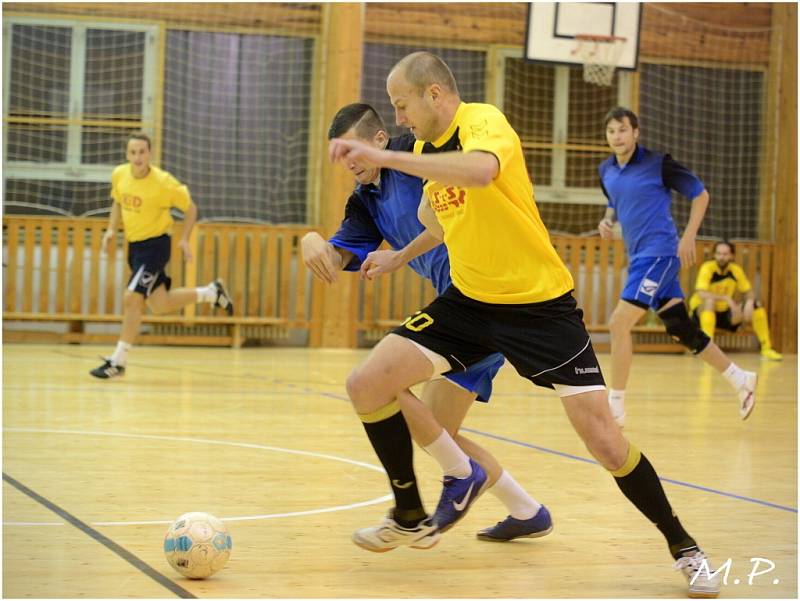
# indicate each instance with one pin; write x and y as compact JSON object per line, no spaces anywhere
{"x":389,"y":535}
{"x":617,"y":410}
{"x":698,"y":572}
{"x":747,"y":394}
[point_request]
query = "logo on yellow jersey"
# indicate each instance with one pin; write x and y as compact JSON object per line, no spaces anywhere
{"x":131,"y":202}
{"x":448,"y":198}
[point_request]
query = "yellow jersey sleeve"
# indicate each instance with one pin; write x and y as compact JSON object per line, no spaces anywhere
{"x":486,"y":129}
{"x":742,"y":283}
{"x":704,"y":275}
{"x":116,"y":175}
{"x":177,"y":193}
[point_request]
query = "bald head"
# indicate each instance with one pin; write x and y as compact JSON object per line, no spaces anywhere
{"x":423,"y":69}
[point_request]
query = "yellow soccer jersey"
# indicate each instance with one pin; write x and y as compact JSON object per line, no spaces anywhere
{"x":711,"y":278}
{"x":500,"y":251}
{"x":146,"y":201}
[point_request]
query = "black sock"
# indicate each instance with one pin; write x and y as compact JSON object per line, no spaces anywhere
{"x":391,"y":440}
{"x":639,"y":482}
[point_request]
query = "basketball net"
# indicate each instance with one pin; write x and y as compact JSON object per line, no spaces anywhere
{"x":599,"y":55}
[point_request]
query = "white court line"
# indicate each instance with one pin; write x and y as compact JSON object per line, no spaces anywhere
{"x":245,"y":445}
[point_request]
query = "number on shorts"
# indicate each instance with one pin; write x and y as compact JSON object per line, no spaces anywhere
{"x":417,"y":322}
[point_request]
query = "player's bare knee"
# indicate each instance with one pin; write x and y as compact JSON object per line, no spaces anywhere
{"x":361,"y":388}
{"x":607,"y":445}
{"x":132,"y":301}
{"x":681,"y":327}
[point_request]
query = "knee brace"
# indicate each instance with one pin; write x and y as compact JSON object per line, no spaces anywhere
{"x":683,"y":329}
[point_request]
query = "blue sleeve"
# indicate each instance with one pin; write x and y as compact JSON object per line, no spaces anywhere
{"x":679,"y":178}
{"x":603,"y":187}
{"x":357,"y":233}
{"x":605,"y":193}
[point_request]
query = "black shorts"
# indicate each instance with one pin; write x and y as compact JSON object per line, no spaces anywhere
{"x":723,"y":320}
{"x":546,"y":342}
{"x":147,"y":260}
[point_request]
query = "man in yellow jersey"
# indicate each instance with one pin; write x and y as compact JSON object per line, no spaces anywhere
{"x":712,"y":305}
{"x":511,"y":293}
{"x":142,"y":197}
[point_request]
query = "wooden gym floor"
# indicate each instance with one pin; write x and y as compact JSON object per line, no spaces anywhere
{"x":93,"y":472}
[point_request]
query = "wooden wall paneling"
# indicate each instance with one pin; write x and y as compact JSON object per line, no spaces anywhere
{"x":237,"y":286}
{"x":783,"y":311}
{"x":30,"y":232}
{"x":76,"y":268}
{"x":46,"y":245}
{"x":253,"y":274}
{"x":270,"y":275}
{"x":96,"y":237}
{"x":10,"y":275}
{"x":341,"y":43}
{"x":62,"y":265}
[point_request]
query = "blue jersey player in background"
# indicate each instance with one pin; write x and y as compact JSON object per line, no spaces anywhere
{"x":384,"y":206}
{"x":638,"y":184}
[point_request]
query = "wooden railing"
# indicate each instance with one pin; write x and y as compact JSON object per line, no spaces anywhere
{"x":55,"y":271}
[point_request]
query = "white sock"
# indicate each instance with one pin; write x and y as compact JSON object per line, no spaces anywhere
{"x":120,"y":355}
{"x":448,"y":454}
{"x":207,"y":294}
{"x":616,"y":399}
{"x":519,"y":503}
{"x":735,"y":375}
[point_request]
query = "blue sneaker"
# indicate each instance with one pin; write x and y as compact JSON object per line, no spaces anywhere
{"x":510,"y":528}
{"x":457,"y":496}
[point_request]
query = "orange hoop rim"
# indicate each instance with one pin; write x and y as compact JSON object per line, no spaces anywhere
{"x":585,"y":37}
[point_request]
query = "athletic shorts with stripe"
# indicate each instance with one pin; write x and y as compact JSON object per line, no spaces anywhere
{"x":546,"y":342}
{"x":147,"y":260}
{"x":652,"y":281}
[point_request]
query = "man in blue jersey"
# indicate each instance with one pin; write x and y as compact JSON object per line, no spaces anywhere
{"x":638,"y":184}
{"x":384,"y":207}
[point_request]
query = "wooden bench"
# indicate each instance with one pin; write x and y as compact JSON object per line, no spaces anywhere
{"x":55,"y":271}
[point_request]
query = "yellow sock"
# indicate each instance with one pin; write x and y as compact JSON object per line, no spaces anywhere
{"x":708,"y":322}
{"x":761,"y":328}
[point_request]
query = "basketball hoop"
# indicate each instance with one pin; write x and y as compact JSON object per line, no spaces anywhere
{"x":600,"y":55}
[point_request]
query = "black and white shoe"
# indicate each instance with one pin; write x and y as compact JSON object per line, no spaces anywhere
{"x":223,"y":300}
{"x":108,"y":370}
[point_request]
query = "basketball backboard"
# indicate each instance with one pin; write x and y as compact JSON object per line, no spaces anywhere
{"x":552,"y":27}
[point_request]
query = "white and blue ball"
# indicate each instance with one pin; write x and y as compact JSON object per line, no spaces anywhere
{"x":197,"y":545}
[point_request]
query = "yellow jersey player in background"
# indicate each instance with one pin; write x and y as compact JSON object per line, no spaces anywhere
{"x":713,"y":305}
{"x":142,"y":197}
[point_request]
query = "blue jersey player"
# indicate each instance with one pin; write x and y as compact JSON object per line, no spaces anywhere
{"x":638,"y":184}
{"x":384,"y":206}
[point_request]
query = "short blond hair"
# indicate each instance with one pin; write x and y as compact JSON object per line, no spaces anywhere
{"x":422,"y":69}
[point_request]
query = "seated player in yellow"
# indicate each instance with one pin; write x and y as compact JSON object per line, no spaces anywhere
{"x":713,"y":306}
{"x":142,"y":196}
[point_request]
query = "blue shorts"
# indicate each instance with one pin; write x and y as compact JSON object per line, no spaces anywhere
{"x":478,"y":376}
{"x":652,"y":281}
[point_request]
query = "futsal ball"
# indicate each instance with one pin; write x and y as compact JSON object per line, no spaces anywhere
{"x":197,"y":545}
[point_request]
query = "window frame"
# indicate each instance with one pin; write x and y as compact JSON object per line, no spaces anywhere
{"x":73,"y":169}
{"x":558,"y":191}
